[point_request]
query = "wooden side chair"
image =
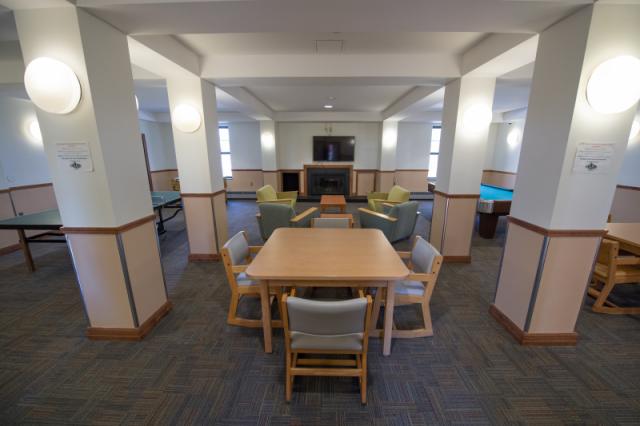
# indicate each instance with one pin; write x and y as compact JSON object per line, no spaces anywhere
{"x":425,"y":262}
{"x":316,"y":328}
{"x":611,"y":269}
{"x":236,"y":255}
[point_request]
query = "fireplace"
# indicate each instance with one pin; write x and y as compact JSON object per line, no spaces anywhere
{"x":328,"y":181}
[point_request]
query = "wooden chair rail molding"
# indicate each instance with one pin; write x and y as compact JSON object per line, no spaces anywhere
{"x":96,"y":333}
{"x":202,"y":194}
{"x":499,"y":171}
{"x":163,"y":170}
{"x":632,"y":188}
{"x":108,"y":230}
{"x":532,"y":339}
{"x":557,"y":232}
{"x":447,"y":195}
{"x":22,"y":187}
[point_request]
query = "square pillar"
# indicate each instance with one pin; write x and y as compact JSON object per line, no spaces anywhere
{"x":269,"y":154}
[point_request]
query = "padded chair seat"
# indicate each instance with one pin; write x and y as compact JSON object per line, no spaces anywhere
{"x":410,"y":288}
{"x":624,"y":273}
{"x":334,"y":342}
{"x":243,"y":279}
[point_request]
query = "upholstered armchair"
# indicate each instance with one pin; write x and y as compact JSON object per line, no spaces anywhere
{"x":267,"y":194}
{"x":276,"y":215}
{"x":396,"y":195}
{"x":396,"y":223}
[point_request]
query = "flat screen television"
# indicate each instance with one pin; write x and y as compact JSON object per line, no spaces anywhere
{"x":333,"y":148}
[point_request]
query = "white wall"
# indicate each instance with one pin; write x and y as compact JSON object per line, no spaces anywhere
{"x":295,"y":142}
{"x":630,"y":171}
{"x":162,"y":154}
{"x":414,"y":143}
{"x":23,"y":159}
{"x":491,"y":146}
{"x":245,"y":145}
{"x":505,"y":156}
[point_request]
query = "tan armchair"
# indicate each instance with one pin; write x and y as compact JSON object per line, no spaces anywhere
{"x":396,"y":195}
{"x":267,"y":194}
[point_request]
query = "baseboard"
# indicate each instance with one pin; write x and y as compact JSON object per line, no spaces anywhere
{"x":134,"y":334}
{"x":204,"y":257}
{"x":9,"y":249}
{"x":457,"y":259}
{"x":532,"y":339}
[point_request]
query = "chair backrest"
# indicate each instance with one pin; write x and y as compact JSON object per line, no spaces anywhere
{"x":423,"y":256}
{"x":235,"y":252}
{"x":266,"y":193}
{"x":326,"y":318}
{"x":331,"y":222}
{"x":273,"y":216}
{"x":407,"y":214}
{"x":398,"y":194}
{"x":608,"y":253}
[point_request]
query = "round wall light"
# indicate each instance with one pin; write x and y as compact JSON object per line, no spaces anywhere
{"x":513,"y":137}
{"x":33,"y":127}
{"x":635,"y":130}
{"x":477,"y":117}
{"x":52,"y":85}
{"x":614,"y":86}
{"x":186,"y":118}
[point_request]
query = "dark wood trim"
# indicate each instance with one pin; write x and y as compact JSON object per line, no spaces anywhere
{"x":204,"y":257}
{"x":499,"y":171}
{"x":532,"y":339}
{"x":632,"y":188}
{"x":222,"y":191}
{"x":10,"y":249}
{"x":138,"y":333}
{"x":365,"y":170}
{"x":246,"y":170}
{"x":2,"y":191}
{"x":291,"y":170}
{"x":163,"y":170}
{"x":38,"y":185}
{"x":270,"y":171}
{"x":412,"y":170}
{"x":457,"y":259}
{"x":108,"y":230}
{"x":444,"y":194}
{"x":385,"y":171}
{"x":201,"y":194}
{"x":557,"y":232}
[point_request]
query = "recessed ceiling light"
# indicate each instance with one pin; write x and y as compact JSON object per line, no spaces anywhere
{"x":328,"y":106}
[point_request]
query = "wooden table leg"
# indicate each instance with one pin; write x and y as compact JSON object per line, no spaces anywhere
{"x":388,"y":318}
{"x":266,"y":315}
{"x":24,"y":244}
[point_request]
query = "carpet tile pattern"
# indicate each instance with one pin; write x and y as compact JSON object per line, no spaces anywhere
{"x":195,"y":369}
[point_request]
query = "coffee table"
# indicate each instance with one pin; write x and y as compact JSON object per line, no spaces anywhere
{"x":339,"y":216}
{"x":330,"y":201}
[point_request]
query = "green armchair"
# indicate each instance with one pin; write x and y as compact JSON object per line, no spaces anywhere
{"x":397,"y":223}
{"x":267,"y":194}
{"x":396,"y":195}
{"x":277,"y":215}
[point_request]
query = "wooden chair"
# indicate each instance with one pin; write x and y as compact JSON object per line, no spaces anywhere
{"x":316,"y":328}
{"x":236,"y":255}
{"x":611,"y":269}
{"x":425,"y":262}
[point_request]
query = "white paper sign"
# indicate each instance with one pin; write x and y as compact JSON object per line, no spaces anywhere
{"x":74,"y":156}
{"x":593,"y":158}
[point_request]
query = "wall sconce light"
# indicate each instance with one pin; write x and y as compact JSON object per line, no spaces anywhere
{"x":513,"y":137}
{"x":137,"y":103}
{"x":614,"y":86}
{"x":635,"y":130}
{"x":186,"y":118}
{"x":33,"y":129}
{"x":477,"y":117}
{"x":52,"y":85}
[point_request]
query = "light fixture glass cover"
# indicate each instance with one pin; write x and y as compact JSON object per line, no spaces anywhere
{"x":186,"y":118}
{"x":477,"y":117}
{"x":52,"y":85}
{"x":614,"y":86}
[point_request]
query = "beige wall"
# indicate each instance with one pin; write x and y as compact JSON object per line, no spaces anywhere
{"x":384,"y":180}
{"x":162,"y":179}
{"x":245,"y":181}
{"x":626,"y":204}
{"x":413,"y":180}
{"x":365,"y":181}
{"x":498,"y":178}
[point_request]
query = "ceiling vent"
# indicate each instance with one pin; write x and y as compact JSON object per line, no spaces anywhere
{"x":329,"y":46}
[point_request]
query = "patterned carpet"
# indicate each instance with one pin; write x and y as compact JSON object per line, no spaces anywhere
{"x":194,"y":369}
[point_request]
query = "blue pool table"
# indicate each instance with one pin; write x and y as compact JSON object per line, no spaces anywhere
{"x":493,"y":203}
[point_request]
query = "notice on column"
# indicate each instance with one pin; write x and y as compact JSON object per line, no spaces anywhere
{"x":593,"y":158}
{"x":75,"y":156}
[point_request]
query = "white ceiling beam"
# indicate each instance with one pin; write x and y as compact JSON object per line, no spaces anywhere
{"x":398,"y":110}
{"x":499,"y":54}
{"x":328,"y":116}
{"x":439,"y":66}
{"x":163,"y":55}
{"x":256,"y":109}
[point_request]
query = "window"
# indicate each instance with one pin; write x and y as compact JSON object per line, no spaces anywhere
{"x":435,"y":151}
{"x":225,"y":151}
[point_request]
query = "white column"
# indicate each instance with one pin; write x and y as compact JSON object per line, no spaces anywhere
{"x":269,"y":153}
{"x":466,"y":118}
{"x":388,"y":146}
{"x":560,"y":208}
{"x":106,"y":209}
{"x":199,"y":165}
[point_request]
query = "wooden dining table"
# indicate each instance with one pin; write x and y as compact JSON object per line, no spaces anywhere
{"x":324,"y":257}
{"x":627,"y":234}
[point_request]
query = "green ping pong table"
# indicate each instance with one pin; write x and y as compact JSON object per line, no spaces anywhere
{"x":50,"y":221}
